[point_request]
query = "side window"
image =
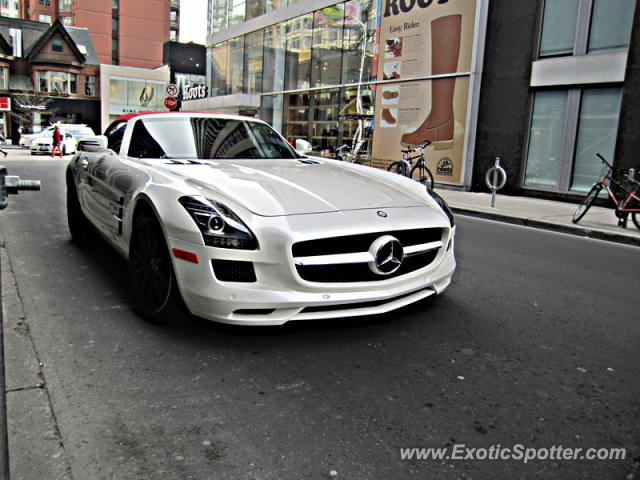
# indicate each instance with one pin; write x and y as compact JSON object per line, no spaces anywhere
{"x":114,"y":136}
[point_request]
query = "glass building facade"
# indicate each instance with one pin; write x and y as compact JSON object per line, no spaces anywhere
{"x":309,"y":66}
{"x":301,"y":70}
{"x":571,"y":123}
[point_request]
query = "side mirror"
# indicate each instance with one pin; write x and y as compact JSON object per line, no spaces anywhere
{"x":302,"y":146}
{"x":93,"y":144}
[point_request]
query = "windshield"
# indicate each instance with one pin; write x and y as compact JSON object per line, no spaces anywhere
{"x":206,"y":138}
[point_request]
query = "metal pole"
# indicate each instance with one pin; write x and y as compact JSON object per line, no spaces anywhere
{"x":494,"y":182}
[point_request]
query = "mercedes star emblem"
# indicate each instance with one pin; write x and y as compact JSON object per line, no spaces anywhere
{"x":387,"y":255}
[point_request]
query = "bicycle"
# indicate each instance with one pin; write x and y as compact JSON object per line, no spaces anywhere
{"x":353,"y":153}
{"x":419,"y":171}
{"x":347,"y":153}
{"x":625,"y":198}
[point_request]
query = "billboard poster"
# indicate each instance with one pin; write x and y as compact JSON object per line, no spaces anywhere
{"x":422,"y":38}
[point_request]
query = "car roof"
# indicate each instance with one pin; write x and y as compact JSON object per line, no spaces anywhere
{"x":128,"y":116}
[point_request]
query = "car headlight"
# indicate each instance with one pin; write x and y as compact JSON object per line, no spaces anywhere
{"x":443,"y":205}
{"x":220,"y":227}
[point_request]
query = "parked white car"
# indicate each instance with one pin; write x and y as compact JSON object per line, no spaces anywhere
{"x":218,"y":214}
{"x":44,"y":143}
{"x":78,"y":130}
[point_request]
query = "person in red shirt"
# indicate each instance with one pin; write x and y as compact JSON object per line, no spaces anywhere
{"x":57,"y":142}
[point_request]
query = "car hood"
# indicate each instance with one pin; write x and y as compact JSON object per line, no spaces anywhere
{"x":291,"y":187}
{"x":42,"y":141}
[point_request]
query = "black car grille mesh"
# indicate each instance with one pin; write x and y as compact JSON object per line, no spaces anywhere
{"x":362,"y":242}
{"x":234,"y":271}
{"x":360,"y":272}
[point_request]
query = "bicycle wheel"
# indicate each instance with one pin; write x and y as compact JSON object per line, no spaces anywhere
{"x":587,"y":202}
{"x":635,"y":217}
{"x":422,"y":174}
{"x":396,"y":167}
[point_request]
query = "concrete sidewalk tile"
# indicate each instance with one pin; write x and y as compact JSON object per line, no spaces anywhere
{"x":35,"y":450}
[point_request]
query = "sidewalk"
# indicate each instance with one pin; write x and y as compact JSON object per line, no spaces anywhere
{"x":598,"y":223}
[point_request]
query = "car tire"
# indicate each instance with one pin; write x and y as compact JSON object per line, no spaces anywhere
{"x":78,"y":224}
{"x":151,"y":275}
{"x":635,"y":217}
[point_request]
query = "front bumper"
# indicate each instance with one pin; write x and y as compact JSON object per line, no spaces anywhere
{"x":40,"y":148}
{"x":279,"y":294}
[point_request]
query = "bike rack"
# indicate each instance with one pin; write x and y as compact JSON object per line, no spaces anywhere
{"x":491,"y":179}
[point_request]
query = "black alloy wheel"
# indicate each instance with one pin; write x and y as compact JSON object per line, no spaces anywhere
{"x":78,"y":223}
{"x":151,"y":273}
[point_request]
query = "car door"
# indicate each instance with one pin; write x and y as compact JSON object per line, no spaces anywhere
{"x":102,"y":202}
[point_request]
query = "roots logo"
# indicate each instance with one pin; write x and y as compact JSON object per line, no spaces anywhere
{"x":445,"y":167}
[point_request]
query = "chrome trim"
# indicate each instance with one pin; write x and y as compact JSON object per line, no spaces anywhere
{"x":361,"y":257}
{"x":422,"y":248}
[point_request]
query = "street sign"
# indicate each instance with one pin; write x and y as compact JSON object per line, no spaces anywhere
{"x":172,"y":90}
{"x":5,"y":104}
{"x":170,"y":103}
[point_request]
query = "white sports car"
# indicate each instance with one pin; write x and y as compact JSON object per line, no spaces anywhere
{"x":219,"y":215}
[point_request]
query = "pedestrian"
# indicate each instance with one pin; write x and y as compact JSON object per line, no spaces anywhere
{"x":2,"y":140}
{"x":57,"y":141}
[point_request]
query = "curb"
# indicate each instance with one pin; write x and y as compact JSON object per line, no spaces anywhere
{"x":555,"y":227}
{"x":35,"y":447}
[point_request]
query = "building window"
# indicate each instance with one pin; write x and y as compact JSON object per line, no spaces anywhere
{"x":579,"y":27}
{"x":73,"y":83}
{"x":57,"y":82}
{"x":326,"y":62}
{"x":115,"y":24}
{"x":219,"y":64}
{"x":610,"y":25}
{"x":173,"y":36}
{"x":298,"y":52}
{"x":44,"y":18}
{"x":114,"y":45}
{"x":115,"y":4}
{"x":597,"y":132}
{"x":45,"y":3}
{"x":546,"y":139}
{"x":559,"y":27}
{"x":4,"y":78}
{"x":57,"y":45}
{"x":237,"y":12}
{"x":65,"y":5}
{"x":236,"y":64}
{"x":90,"y":86}
{"x":568,"y":128}
{"x":67,"y":21}
{"x":253,"y":62}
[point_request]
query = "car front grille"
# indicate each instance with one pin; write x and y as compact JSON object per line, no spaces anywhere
{"x":344,"y":259}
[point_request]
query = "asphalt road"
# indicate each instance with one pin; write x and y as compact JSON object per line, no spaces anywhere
{"x":536,"y":343}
